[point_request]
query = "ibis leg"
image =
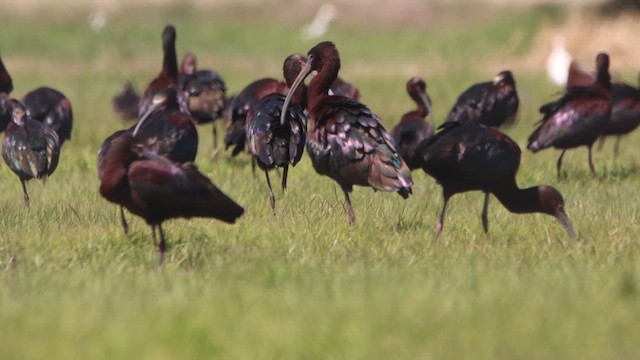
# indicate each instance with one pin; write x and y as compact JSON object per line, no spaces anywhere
{"x":559,"y":164}
{"x":24,"y":190}
{"x":162,"y":247}
{"x":352,"y":216}
{"x":253,"y":165}
{"x":593,"y":170}
{"x":272,"y":198}
{"x":485,"y":210}
{"x":440,"y":224}
{"x":285,"y":171}
{"x":123,"y":220}
{"x":153,"y":232}
{"x":215,"y":136}
{"x":616,"y":146}
{"x":601,"y":142}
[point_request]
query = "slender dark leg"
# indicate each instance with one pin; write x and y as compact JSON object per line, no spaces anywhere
{"x":593,"y":170}
{"x":285,"y":171}
{"x":215,"y":136}
{"x":123,"y":220}
{"x":440,"y":224}
{"x":272,"y":198}
{"x":352,"y":216}
{"x":485,"y":210}
{"x":24,"y":190}
{"x":600,"y":142}
{"x":162,"y":247}
{"x":559,"y":164}
{"x":153,"y":231}
{"x":616,"y":147}
{"x":253,"y":165}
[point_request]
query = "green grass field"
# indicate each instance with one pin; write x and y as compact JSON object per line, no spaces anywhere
{"x":304,"y":284}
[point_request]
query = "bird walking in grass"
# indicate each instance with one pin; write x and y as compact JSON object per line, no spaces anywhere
{"x":164,"y":130}
{"x":158,"y":189}
{"x":52,"y":108}
{"x":345,"y":140}
{"x":30,"y":148}
{"x":468,"y":156}
{"x":274,"y":143}
{"x":578,"y":118}
{"x":413,"y":127}
{"x":125,"y":103}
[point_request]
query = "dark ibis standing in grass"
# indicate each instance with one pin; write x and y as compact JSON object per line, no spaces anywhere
{"x":578,"y":118}
{"x":491,"y":103}
{"x":164,"y":130}
{"x":469,"y":156}
{"x":52,"y":108}
{"x":274,"y":143}
{"x":236,"y":113}
{"x":204,"y":91}
{"x":158,"y":189}
{"x":30,"y":148}
{"x":6,"y":87}
{"x":413,"y":127}
{"x":168,"y":76}
{"x":125,"y":103}
{"x":345,"y":140}
{"x":625,"y":112}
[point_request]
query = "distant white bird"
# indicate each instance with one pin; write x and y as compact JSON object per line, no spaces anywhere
{"x":558,"y":61}
{"x":97,"y":20}
{"x":320,"y":23}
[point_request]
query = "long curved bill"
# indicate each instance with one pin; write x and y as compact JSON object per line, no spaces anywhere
{"x":564,"y":220}
{"x":427,"y":104}
{"x":304,"y":72}
{"x":158,"y":100}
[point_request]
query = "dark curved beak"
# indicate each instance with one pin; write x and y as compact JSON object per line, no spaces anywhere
{"x":564,"y":220}
{"x":304,"y":72}
{"x":427,"y":104}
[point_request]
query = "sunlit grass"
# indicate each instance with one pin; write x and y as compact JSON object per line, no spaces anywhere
{"x":305,"y":284}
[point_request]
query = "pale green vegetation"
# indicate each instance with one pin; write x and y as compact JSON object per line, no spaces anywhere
{"x":304,"y":284}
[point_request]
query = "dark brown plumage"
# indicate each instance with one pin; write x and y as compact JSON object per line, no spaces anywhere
{"x":52,"y":108}
{"x":578,"y":117}
{"x":156,"y":189}
{"x":413,"y":127}
{"x":6,"y":86}
{"x":125,"y":103}
{"x":345,"y":140}
{"x":491,"y":103}
{"x":168,"y":76}
{"x":273,"y":143}
{"x":468,"y":156}
{"x":30,"y":148}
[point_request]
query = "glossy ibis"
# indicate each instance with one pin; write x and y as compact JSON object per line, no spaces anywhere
{"x":413,"y":128}
{"x":157,"y":189}
{"x":491,"y":103}
{"x":625,"y":112}
{"x":6,"y":86}
{"x":168,"y":76}
{"x":245,"y":100}
{"x":164,"y":130}
{"x":578,"y":117}
{"x":204,"y":92}
{"x":273,"y":143}
{"x":30,"y":148}
{"x":468,"y":156}
{"x":125,"y":103}
{"x":345,"y":139}
{"x":52,"y":108}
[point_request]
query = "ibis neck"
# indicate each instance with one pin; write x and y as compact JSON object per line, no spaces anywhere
{"x":519,"y":201}
{"x":170,"y":61}
{"x":321,"y":83}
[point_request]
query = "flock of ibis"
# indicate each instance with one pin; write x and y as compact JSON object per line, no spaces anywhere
{"x":149,"y":168}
